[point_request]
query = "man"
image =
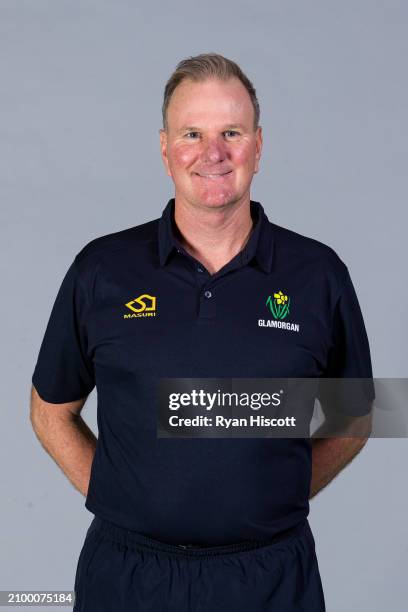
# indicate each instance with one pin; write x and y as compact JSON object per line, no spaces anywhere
{"x":196,"y":524}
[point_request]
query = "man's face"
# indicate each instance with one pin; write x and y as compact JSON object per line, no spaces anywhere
{"x":211,"y":150}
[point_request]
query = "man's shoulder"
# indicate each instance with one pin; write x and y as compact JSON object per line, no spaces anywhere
{"x":289,"y":239}
{"x":308,"y":251}
{"x":122,"y":240}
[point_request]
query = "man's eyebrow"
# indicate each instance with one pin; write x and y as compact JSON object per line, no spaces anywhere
{"x":192,"y":128}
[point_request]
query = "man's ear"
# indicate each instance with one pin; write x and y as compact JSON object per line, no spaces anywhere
{"x":163,"y":149}
{"x":259,"y":141}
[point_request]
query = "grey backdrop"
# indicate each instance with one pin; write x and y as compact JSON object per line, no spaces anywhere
{"x":81,"y":91}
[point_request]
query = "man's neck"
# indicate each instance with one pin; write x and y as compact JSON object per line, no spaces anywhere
{"x":213,"y":236}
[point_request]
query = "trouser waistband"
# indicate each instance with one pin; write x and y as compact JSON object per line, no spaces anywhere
{"x":134,"y":539}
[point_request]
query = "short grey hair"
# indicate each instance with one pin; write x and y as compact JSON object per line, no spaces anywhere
{"x":206,"y":66}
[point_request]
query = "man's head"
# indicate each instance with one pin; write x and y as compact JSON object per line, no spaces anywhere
{"x":211,"y":141}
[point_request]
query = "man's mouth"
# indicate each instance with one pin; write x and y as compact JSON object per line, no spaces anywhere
{"x":212,"y":175}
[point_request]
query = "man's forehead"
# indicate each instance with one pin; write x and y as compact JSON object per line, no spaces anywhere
{"x":219,"y":103}
{"x":206,"y":114}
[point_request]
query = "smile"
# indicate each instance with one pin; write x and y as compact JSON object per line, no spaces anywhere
{"x":213,"y":176}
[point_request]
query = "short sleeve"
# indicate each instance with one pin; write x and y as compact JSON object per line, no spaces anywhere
{"x":349,"y":356}
{"x":64,"y":370}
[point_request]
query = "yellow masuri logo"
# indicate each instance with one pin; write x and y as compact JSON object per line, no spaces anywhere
{"x":144,"y":307}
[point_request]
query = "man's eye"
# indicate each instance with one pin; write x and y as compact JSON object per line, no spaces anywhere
{"x":192,"y":135}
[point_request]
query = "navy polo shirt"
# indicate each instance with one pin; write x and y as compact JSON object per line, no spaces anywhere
{"x":135,"y":307}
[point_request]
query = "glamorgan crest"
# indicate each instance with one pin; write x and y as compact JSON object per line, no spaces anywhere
{"x":278,"y":305}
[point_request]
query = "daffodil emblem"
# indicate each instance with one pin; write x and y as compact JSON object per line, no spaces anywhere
{"x":279,"y":306}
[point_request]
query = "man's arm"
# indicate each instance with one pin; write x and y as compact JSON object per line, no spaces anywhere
{"x":329,"y":457}
{"x":331,"y":454}
{"x":65,"y":436}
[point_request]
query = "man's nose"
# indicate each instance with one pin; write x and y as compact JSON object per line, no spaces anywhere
{"x":214,"y":150}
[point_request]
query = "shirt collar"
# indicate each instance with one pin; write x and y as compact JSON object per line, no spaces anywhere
{"x":259,"y":245}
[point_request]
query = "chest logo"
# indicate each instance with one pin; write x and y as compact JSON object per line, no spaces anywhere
{"x":278,"y":305}
{"x":142,"y":306}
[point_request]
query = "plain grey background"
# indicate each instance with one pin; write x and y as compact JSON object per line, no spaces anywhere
{"x":81,"y":92}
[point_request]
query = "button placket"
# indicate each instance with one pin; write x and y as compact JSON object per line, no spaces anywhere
{"x":207,"y":303}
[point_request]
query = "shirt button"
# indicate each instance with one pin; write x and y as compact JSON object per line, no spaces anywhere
{"x":208,"y":294}
{"x":200,"y":269}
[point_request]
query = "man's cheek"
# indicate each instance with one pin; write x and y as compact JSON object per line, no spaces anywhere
{"x":182,"y":156}
{"x":242,"y":156}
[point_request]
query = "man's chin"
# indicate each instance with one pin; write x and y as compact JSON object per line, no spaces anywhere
{"x":215,"y":200}
{"x":210,"y":199}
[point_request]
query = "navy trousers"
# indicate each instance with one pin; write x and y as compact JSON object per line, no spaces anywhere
{"x":120,"y":570}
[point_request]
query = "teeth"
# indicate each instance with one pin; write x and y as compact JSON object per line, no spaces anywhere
{"x":213,"y":175}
